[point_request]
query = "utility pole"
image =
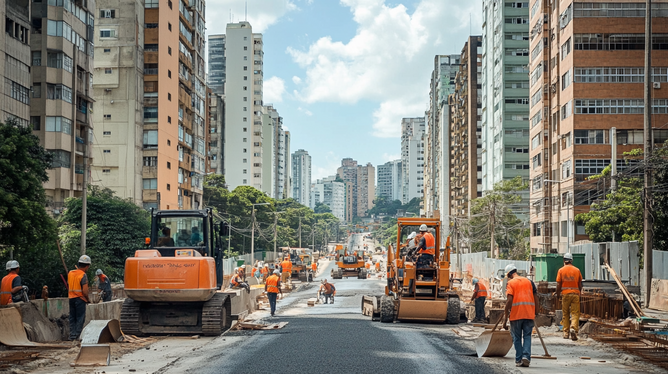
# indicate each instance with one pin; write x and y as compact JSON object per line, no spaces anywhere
{"x":647,"y":214}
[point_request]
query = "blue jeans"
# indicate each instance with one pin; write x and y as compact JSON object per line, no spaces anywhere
{"x":521,"y":329}
{"x":272,"y":301}
{"x":77,"y":317}
{"x":480,"y":308}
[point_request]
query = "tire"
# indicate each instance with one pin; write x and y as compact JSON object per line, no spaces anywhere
{"x":453,"y":314}
{"x":386,"y":309}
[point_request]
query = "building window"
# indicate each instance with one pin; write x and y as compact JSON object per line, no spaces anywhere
{"x":151,"y":184}
{"x":107,"y":13}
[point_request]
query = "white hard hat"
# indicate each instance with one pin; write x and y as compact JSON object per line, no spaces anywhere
{"x":475,"y":280}
{"x":98,"y":272}
{"x":84,"y":260}
{"x":412,"y":235}
{"x":14,"y":265}
{"x":568,"y":257}
{"x":510,"y":268}
{"x":9,"y":265}
{"x":423,"y":227}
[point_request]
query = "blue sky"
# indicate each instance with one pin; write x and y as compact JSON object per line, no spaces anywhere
{"x":342,"y":74}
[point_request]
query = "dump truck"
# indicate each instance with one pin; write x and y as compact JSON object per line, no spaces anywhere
{"x":173,"y":286}
{"x":415,"y":294}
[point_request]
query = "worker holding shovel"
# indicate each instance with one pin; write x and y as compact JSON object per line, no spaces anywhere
{"x":521,"y":310}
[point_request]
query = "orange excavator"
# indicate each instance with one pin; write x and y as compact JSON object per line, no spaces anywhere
{"x":173,"y":286}
{"x":412,"y":293}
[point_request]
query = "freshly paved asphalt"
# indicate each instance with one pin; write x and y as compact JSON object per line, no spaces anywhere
{"x":338,"y":339}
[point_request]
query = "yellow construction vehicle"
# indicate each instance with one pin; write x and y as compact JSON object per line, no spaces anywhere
{"x":412,"y":293}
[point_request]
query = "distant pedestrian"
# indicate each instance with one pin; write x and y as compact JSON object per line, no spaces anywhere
{"x":521,"y":310}
{"x":77,"y":283}
{"x":569,"y":285}
{"x":103,"y":285}
{"x":479,"y":296}
{"x":273,"y":287}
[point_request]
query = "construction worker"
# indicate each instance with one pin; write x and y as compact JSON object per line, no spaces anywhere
{"x":521,"y":310}
{"x":103,"y":285}
{"x":77,"y":284}
{"x":237,"y":280}
{"x":569,"y":285}
{"x":479,"y":296}
{"x":286,"y":267}
{"x":426,"y":248}
{"x":10,"y":288}
{"x":328,"y":290}
{"x":273,"y":287}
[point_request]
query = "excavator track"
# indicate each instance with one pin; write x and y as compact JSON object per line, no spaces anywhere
{"x":130,"y":315}
{"x":216,"y":316}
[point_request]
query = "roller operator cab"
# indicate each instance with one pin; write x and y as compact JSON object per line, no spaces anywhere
{"x":415,"y":293}
{"x":173,"y":285}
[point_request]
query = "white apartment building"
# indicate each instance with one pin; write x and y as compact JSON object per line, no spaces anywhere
{"x":331,"y":193}
{"x":301,"y":177}
{"x":412,"y":157}
{"x":119,"y":101}
{"x":243,"y":107}
{"x":389,"y":180}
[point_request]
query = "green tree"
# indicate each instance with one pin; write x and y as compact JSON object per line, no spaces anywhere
{"x":24,"y":222}
{"x":322,"y":208}
{"x":492,"y":214}
{"x":116,"y":229}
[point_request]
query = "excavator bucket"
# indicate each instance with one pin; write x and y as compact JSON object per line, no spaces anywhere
{"x":93,"y":355}
{"x":493,"y":343}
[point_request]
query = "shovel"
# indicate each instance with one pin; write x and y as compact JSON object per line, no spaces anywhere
{"x":494,"y":343}
{"x":546,"y":355}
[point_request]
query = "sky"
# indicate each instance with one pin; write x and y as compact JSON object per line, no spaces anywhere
{"x":343,"y":74}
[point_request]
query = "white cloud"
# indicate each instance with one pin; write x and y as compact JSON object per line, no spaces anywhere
{"x":296,"y":80}
{"x":261,"y":13}
{"x":273,"y":90}
{"x":305,"y":111}
{"x":389,"y":60}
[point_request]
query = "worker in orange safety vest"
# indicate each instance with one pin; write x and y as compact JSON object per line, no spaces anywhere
{"x":479,"y":296}
{"x":77,"y":284}
{"x":521,"y":310}
{"x":569,"y":285}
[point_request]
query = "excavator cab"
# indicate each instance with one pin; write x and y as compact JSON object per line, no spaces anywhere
{"x":173,"y":285}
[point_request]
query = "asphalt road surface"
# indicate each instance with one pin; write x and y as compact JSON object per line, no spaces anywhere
{"x":336,"y":338}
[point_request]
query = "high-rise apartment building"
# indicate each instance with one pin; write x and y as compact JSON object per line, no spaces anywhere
{"x":175,"y":104}
{"x":15,"y":61}
{"x":331,"y":193}
{"x":118,"y":92}
{"x":412,"y":158}
{"x":301,"y":177}
{"x":244,"y":136}
{"x":389,"y":180}
{"x":505,"y":92}
{"x":437,"y":147}
{"x":62,"y":74}
{"x":587,"y":77}
{"x":216,"y":68}
{"x":216,"y":133}
{"x":466,"y":131}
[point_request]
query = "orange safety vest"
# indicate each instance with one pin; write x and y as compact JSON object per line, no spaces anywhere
{"x":482,"y":291}
{"x":570,"y":278}
{"x":272,"y":283}
{"x":524,"y":306}
{"x":429,"y":243}
{"x":74,"y":287}
{"x":287,"y":266}
{"x":6,"y":288}
{"x":314,"y":266}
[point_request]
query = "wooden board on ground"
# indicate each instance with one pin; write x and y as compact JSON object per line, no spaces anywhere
{"x":659,"y":295}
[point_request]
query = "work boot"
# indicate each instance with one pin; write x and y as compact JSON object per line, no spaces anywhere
{"x":574,"y":335}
